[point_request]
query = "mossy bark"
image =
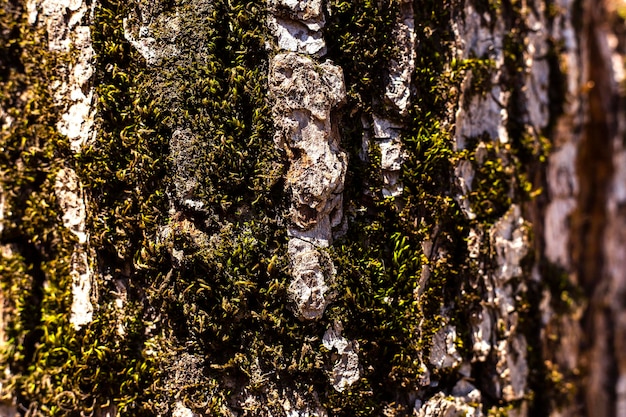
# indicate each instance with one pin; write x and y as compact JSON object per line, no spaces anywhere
{"x":321,"y":208}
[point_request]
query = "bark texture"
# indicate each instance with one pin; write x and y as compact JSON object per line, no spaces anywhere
{"x":312,"y":208}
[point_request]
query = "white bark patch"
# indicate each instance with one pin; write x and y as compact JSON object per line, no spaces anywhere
{"x":143,"y":43}
{"x":563,"y":189}
{"x":482,"y":333}
{"x":308,"y":12}
{"x":77,"y":122}
{"x":443,"y":352}
{"x":298,"y":83}
{"x":311,"y":269}
{"x":387,"y":136}
{"x":305,"y":92}
{"x":494,"y":327}
{"x":556,"y":232}
{"x":295,"y":36}
{"x":346,"y":369}
{"x":562,"y":332}
{"x":562,"y":178}
{"x":60,"y":17}
{"x":82,"y":276}
{"x":392,"y":154}
{"x":152,"y":32}
{"x":73,"y":93}
{"x":483,"y":115}
{"x":512,"y":368}
{"x":464,"y":173}
{"x":537,"y":71}
{"x":2,"y":205}
{"x":297,"y":25}
{"x":180,"y":410}
{"x":442,"y":406}
{"x":398,"y":96}
{"x":474,"y":239}
{"x":563,"y":32}
{"x":486,"y":113}
{"x":510,"y":243}
{"x":474,"y":38}
{"x":402,"y":65}
{"x":141,"y":35}
{"x":71,"y":201}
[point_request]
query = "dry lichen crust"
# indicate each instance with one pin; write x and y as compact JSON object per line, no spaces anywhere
{"x":227,"y":182}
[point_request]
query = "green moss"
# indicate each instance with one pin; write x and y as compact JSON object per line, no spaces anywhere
{"x":56,"y":370}
{"x":503,"y":411}
{"x":222,"y":301}
{"x":35,"y":279}
{"x":493,"y":184}
{"x":380,"y":261}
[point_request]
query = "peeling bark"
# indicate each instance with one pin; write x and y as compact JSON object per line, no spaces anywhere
{"x":305,"y":94}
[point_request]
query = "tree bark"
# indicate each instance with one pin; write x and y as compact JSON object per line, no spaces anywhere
{"x":312,"y":208}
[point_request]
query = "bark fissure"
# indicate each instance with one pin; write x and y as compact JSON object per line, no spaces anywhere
{"x":595,"y":170}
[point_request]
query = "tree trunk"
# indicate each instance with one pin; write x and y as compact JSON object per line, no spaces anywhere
{"x":312,"y":208}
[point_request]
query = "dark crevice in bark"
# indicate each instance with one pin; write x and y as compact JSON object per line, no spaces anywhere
{"x":34,"y":252}
{"x":31,"y":316}
{"x":540,"y":406}
{"x":10,"y":48}
{"x":595,"y":170}
{"x":534,"y":167}
{"x":540,"y":349}
{"x":557,"y":87}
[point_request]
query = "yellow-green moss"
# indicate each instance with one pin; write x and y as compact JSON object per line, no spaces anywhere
{"x":380,"y":260}
{"x":35,"y":280}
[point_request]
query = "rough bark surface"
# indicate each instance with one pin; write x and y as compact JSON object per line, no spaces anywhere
{"x":312,"y":208}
